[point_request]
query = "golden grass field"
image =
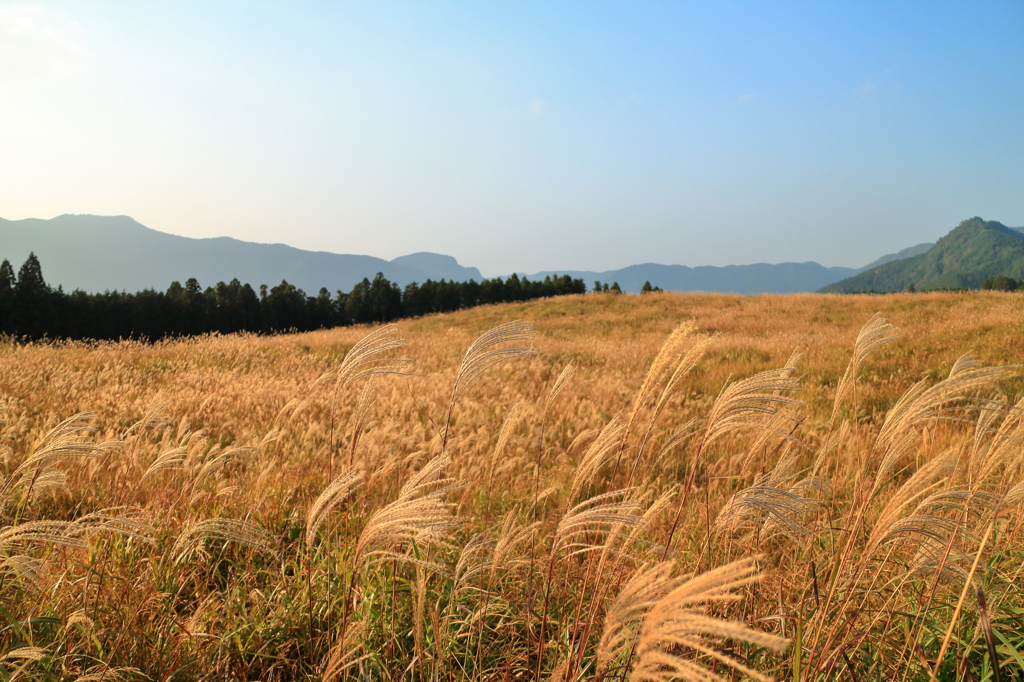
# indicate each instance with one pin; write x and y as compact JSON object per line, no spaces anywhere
{"x":660,"y":490}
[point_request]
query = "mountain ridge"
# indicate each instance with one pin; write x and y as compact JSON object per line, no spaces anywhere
{"x":101,"y":253}
{"x":970,"y":253}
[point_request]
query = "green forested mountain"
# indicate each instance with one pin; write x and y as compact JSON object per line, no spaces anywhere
{"x":973,"y":252}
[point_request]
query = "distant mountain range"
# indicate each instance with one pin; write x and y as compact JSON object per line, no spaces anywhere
{"x":759,"y":278}
{"x":972,"y":252}
{"x":100,"y":253}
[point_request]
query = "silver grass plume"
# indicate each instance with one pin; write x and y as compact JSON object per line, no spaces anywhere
{"x":420,"y":514}
{"x":74,"y":534}
{"x":637,"y":532}
{"x":24,"y":568}
{"x":64,"y":442}
{"x":673,"y":363}
{"x":564,"y":377}
{"x":361,"y":416}
{"x":482,"y":554}
{"x":773,"y":503}
{"x":942,"y":543}
{"x":914,"y":488}
{"x":599,"y":453}
{"x":601,"y":515}
{"x":365,"y":359}
{"x":677,"y":438}
{"x":512,"y":420}
{"x":333,"y":495}
{"x":626,"y":614}
{"x":1003,"y":448}
{"x":921,"y":403}
{"x":245,"y":533}
{"x":25,"y":653}
{"x":487,"y":351}
{"x":668,"y":357}
{"x":104,"y":673}
{"x":346,"y":653}
{"x":677,"y":627}
{"x":167,"y":460}
{"x":875,"y":333}
{"x":753,"y":402}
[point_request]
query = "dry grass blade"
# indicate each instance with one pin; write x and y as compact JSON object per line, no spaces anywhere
{"x":875,"y":333}
{"x":333,"y":495}
{"x":245,"y":533}
{"x":677,"y":626}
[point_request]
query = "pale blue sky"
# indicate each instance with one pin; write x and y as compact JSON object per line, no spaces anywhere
{"x":521,"y":136}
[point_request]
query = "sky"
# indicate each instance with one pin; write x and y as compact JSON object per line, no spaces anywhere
{"x":521,"y":136}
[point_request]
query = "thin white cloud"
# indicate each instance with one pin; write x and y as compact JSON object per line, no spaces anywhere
{"x":38,"y":42}
{"x":745,"y":99}
{"x":537,"y":106}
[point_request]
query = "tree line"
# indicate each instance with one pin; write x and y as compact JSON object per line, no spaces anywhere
{"x":1003,"y":283}
{"x":32,"y":309}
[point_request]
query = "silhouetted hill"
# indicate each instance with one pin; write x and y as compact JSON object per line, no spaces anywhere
{"x":971,"y":253}
{"x":438,"y":266}
{"x":99,"y":253}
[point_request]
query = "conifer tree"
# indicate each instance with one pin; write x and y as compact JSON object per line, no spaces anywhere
{"x":7,"y":282}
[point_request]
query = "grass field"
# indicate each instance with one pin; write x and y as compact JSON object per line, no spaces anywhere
{"x":642,"y":487}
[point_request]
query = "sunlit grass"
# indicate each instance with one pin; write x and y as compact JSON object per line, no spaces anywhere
{"x":219,"y":548}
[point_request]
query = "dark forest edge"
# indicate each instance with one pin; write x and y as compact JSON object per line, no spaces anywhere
{"x":31,"y":309}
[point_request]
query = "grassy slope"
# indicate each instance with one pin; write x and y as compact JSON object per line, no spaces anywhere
{"x":241,"y":614}
{"x":971,"y":253}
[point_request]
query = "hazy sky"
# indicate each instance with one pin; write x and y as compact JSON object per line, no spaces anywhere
{"x":521,"y":135}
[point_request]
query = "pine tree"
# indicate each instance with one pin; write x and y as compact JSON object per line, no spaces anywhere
{"x":7,"y":284}
{"x":33,"y":307}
